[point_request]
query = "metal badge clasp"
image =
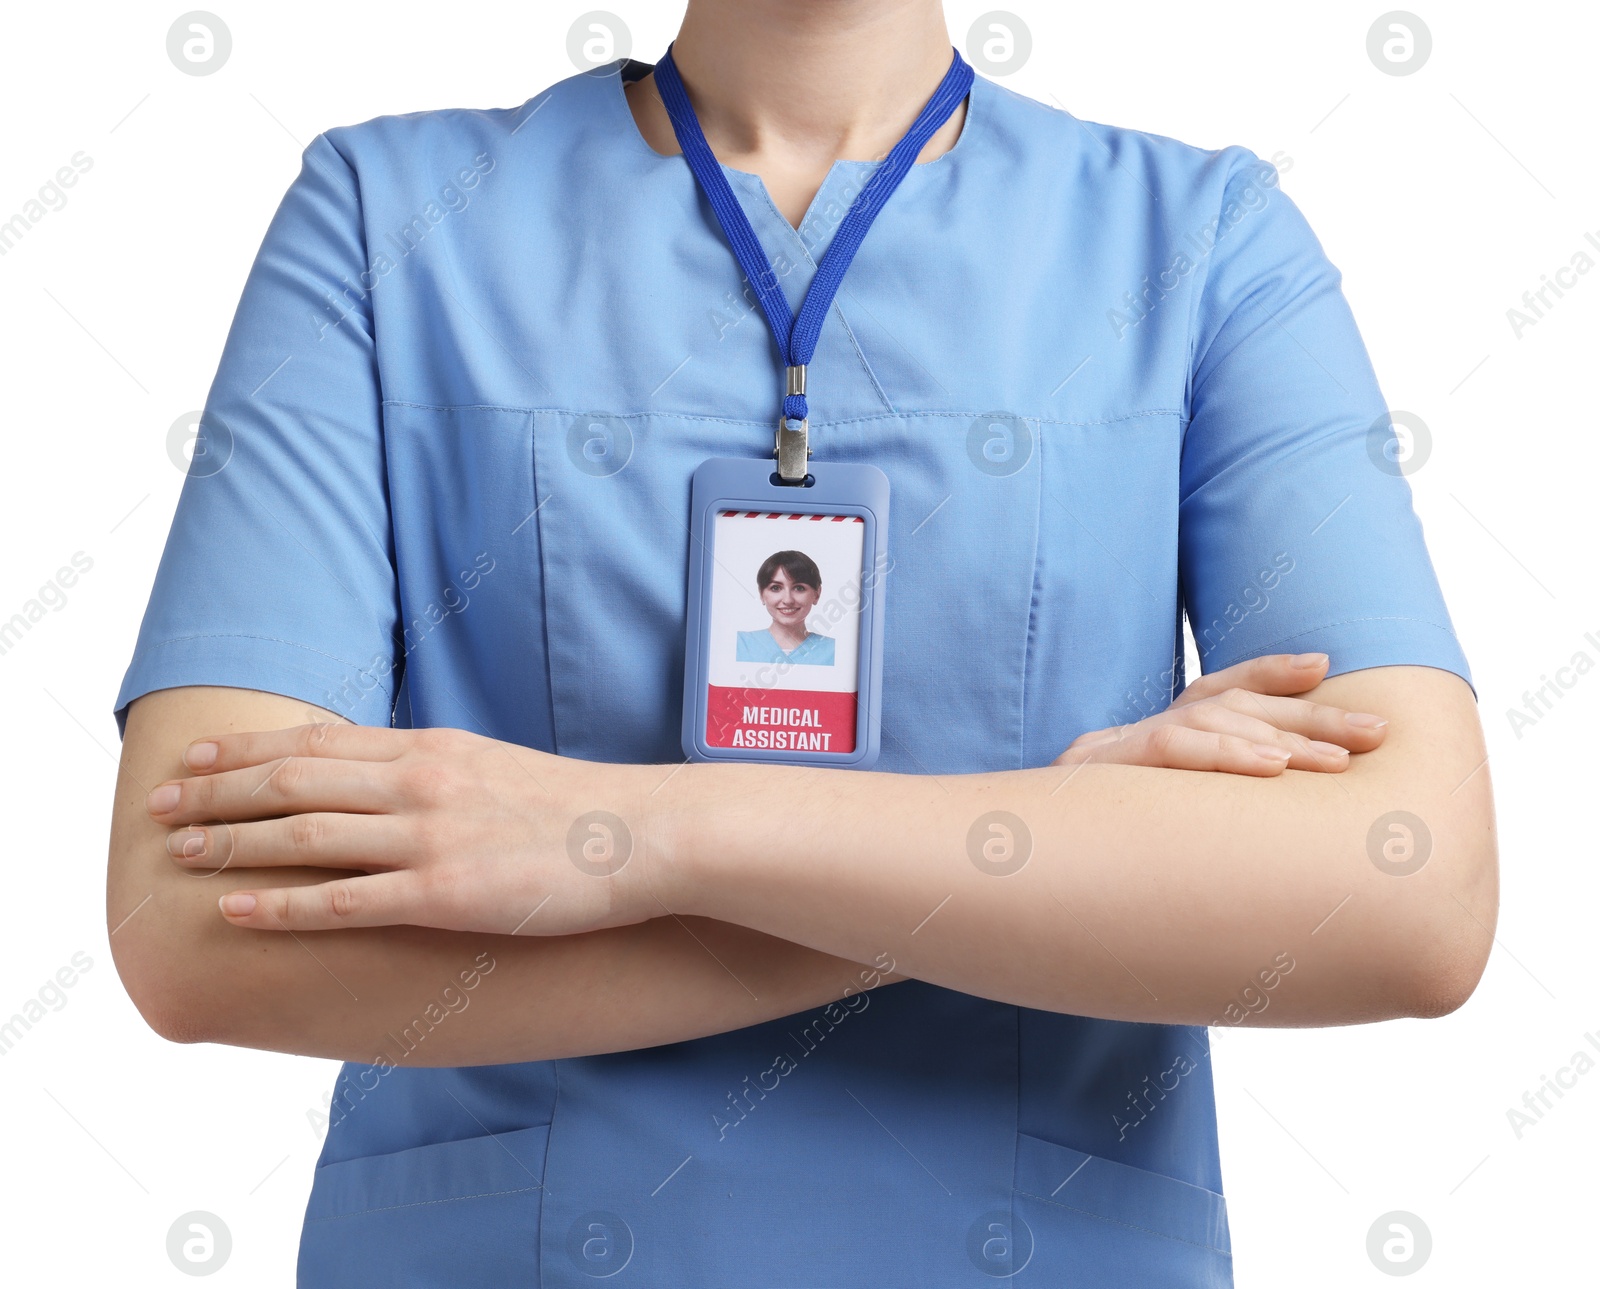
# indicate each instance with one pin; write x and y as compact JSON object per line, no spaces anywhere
{"x":791,"y":447}
{"x":792,"y":450}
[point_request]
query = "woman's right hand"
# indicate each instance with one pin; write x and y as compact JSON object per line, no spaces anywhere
{"x":1241,"y":720}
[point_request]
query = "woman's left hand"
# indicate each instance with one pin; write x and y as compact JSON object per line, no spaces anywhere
{"x":1242,"y":720}
{"x":436,"y":827}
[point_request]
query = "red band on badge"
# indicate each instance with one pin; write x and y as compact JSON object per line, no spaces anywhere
{"x":781,"y":720}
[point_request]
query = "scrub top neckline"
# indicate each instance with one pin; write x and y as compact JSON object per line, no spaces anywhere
{"x":787,"y":653}
{"x":617,"y":100}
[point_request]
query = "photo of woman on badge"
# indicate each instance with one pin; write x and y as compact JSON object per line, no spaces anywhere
{"x":790,"y":585}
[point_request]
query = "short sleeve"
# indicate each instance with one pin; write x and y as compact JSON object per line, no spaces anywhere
{"x":1296,"y":530}
{"x":278,"y":572}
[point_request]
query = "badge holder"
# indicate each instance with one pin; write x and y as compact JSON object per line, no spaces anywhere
{"x":788,"y":669}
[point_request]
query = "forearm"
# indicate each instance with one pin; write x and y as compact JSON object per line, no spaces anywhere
{"x":419,"y":996}
{"x":359,"y":994}
{"x":1149,"y":895}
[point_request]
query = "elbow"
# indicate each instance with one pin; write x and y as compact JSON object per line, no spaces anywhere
{"x":162,"y":992}
{"x":1452,"y":937}
{"x":177,"y":1025}
{"x":166,"y":1008}
{"x":1446,"y":986}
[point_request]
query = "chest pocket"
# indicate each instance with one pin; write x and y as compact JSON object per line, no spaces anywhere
{"x":611,"y":496}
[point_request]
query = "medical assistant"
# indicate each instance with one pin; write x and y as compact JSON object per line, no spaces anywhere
{"x":761,"y":646}
{"x":1112,"y":379}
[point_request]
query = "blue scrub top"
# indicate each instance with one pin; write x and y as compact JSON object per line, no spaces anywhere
{"x":762,"y":646}
{"x":444,"y":480}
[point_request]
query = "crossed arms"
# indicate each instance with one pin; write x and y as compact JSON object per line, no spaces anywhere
{"x":1165,"y":865}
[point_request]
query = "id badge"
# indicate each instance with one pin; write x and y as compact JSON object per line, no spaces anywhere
{"x":784,"y":657}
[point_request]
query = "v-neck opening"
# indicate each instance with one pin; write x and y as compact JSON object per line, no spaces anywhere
{"x":626,"y":70}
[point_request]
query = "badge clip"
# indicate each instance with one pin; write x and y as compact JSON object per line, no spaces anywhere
{"x":791,"y":447}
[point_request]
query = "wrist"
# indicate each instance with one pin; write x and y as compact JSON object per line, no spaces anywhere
{"x":675,"y":843}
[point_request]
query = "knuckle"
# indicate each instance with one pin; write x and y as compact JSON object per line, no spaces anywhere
{"x":429,"y":782}
{"x":439,"y":739}
{"x":223,"y":846}
{"x":341,"y":900}
{"x":193,"y":795}
{"x":288,"y":777}
{"x":1163,"y":740}
{"x":307,"y":833}
{"x":1242,"y":750}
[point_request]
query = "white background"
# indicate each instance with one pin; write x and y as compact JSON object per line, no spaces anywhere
{"x":1442,"y":195}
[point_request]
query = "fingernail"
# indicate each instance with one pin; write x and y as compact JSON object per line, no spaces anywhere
{"x":186,"y":845}
{"x":1269,"y":753}
{"x":238,"y":904}
{"x":200,"y":756}
{"x":1308,"y":660}
{"x":1365,"y":719}
{"x":163,"y":798}
{"x":1329,"y":749}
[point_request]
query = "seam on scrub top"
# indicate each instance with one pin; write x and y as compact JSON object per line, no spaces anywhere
{"x":423,"y":1203}
{"x":383,"y":685}
{"x":1192,"y":304}
{"x":245,"y":635}
{"x":544,"y":578}
{"x":1016,"y":1136}
{"x":1132,"y":1226}
{"x":1346,"y":622}
{"x":1252,"y":300}
{"x":1199,"y":296}
{"x":760,"y":187}
{"x":394,"y":705}
{"x":730,"y":420}
{"x":1180,"y":660}
{"x":888,"y":404}
{"x":793,"y":235}
{"x":861,"y":357}
{"x":1033,"y":607}
{"x":974,"y":124}
{"x":1196,"y":302}
{"x":1162,"y":412}
{"x":544,"y":1171}
{"x":833,"y":305}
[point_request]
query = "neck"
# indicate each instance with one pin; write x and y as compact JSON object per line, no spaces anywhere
{"x":813,"y":82}
{"x":784,"y":88}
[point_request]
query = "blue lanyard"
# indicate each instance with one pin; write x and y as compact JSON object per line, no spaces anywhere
{"x":797,"y":337}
